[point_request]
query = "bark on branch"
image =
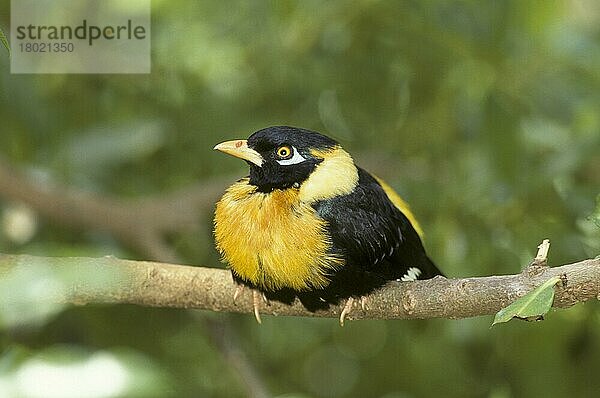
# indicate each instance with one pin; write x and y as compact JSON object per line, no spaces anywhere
{"x":168,"y":285}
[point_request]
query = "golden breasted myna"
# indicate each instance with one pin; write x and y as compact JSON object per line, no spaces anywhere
{"x":308,"y":223}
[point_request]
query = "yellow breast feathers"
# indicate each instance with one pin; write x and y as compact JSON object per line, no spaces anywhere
{"x":273,"y":240}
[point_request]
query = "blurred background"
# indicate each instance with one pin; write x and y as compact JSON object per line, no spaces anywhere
{"x":485,"y":116}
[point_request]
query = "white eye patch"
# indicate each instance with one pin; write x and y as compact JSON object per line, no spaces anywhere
{"x":297,"y":158}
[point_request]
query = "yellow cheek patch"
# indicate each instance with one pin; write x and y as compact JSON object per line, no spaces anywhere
{"x":273,"y":240}
{"x":336,"y":175}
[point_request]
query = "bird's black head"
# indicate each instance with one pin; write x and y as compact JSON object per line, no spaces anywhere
{"x":280,"y":157}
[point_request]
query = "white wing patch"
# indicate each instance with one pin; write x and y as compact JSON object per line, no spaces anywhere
{"x":411,"y":275}
{"x":297,"y":158}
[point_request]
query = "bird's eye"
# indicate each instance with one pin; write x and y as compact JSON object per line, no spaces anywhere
{"x":287,"y":155}
{"x":284,"y":152}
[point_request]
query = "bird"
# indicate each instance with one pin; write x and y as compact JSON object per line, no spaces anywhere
{"x":308,"y":223}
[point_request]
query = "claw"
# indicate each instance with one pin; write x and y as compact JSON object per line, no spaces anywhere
{"x":348,"y":307}
{"x":256,"y":298}
{"x":346,"y":310}
{"x":363,"y":303}
{"x":238,"y":290}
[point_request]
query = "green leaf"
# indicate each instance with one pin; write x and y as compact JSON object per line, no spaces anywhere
{"x":4,"y":41}
{"x":532,"y":306}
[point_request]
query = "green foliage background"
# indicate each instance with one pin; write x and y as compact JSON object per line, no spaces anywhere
{"x":484,"y":115}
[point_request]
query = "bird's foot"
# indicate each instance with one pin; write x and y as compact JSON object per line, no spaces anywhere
{"x":238,"y":290}
{"x":257,"y":297}
{"x":348,"y":307}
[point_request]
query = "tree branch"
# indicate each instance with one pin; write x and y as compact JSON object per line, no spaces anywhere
{"x":168,"y":285}
{"x":141,"y":224}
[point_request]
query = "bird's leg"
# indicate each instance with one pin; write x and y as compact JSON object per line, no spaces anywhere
{"x":348,"y":307}
{"x":257,"y":297}
{"x":346,"y":310}
{"x":238,"y":290}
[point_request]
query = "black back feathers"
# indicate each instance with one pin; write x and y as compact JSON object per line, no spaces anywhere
{"x":372,"y":234}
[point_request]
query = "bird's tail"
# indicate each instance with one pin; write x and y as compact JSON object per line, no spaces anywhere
{"x":429,"y":269}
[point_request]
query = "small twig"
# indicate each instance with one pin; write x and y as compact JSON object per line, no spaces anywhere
{"x":540,"y":261}
{"x":227,"y":342}
{"x":542,"y":254}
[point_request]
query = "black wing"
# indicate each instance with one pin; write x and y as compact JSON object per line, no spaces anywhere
{"x":373,"y":234}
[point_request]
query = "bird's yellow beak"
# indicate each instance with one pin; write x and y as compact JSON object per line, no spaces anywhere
{"x":239,"y":149}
